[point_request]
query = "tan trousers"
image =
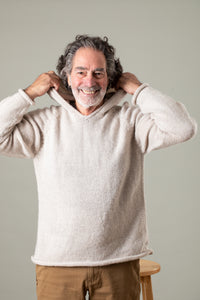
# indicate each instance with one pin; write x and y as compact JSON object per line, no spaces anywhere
{"x":119,"y":281}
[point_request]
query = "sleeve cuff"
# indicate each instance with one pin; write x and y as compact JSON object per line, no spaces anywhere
{"x":26,"y":97}
{"x":139,"y":89}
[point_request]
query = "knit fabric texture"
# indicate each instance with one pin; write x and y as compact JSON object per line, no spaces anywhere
{"x":89,"y":171}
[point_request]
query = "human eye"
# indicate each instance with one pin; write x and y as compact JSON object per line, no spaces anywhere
{"x":80,"y":73}
{"x":99,"y":74}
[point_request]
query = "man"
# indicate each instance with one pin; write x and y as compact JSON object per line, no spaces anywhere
{"x":88,"y":157}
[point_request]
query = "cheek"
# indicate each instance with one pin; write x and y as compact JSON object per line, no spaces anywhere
{"x":104,"y":84}
{"x":75,"y":83}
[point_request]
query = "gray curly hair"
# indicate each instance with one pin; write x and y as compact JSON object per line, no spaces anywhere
{"x":114,"y":67}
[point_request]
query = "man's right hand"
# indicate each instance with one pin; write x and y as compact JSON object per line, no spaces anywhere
{"x":42,"y":84}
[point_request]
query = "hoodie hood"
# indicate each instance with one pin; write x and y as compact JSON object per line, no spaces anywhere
{"x":65,"y":99}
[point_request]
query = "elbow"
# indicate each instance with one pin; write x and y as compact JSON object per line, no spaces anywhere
{"x":190,"y":130}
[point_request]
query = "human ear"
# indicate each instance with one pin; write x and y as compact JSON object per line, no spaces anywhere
{"x":69,"y":80}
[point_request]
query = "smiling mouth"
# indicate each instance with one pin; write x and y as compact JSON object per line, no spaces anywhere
{"x":89,"y":92}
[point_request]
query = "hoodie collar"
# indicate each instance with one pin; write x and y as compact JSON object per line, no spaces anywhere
{"x":108,"y":104}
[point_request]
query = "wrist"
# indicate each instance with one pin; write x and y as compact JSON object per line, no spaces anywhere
{"x":135,"y":87}
{"x":30,"y":92}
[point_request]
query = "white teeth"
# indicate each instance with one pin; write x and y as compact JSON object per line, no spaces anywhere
{"x":88,"y":93}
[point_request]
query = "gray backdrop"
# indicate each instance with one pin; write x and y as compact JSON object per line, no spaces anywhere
{"x":158,"y":41}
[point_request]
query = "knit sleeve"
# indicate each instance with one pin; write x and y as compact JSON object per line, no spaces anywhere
{"x":21,"y":132}
{"x":161,"y":121}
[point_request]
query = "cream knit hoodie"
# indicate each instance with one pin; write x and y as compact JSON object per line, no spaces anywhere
{"x":89,"y":171}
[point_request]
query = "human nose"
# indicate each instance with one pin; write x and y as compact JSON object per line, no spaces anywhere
{"x":89,"y":80}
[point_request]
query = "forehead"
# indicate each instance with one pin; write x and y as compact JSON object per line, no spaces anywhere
{"x":89,"y":58}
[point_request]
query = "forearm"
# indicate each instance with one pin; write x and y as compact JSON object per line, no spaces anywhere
{"x":161,"y":121}
{"x":169,"y":115}
{"x":20,"y":132}
{"x":12,"y":110}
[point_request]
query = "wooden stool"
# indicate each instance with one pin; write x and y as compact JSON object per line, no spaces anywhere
{"x":147,"y":268}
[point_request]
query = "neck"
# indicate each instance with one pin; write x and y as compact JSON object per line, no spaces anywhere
{"x":87,"y":111}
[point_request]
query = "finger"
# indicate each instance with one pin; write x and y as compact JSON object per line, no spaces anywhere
{"x":117,"y":85}
{"x":56,"y":84}
{"x":52,"y":74}
{"x":120,"y":82}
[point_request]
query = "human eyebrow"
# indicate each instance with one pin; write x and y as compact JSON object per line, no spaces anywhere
{"x":80,"y":68}
{"x":99,"y":70}
{"x":96,"y":70}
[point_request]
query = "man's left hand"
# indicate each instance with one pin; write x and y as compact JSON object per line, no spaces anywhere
{"x":128,"y":82}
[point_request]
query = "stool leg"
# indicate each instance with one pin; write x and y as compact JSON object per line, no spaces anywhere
{"x":147,"y":291}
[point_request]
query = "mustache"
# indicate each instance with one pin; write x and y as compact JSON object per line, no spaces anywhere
{"x":90,"y":89}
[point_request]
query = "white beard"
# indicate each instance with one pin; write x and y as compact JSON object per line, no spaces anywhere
{"x":88,"y":100}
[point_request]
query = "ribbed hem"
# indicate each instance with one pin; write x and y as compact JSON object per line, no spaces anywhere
{"x":25,"y":96}
{"x":139,"y":89}
{"x":91,"y":263}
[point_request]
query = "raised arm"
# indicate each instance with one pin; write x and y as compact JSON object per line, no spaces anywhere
{"x":22,"y":133}
{"x":160,"y":121}
{"x":42,"y":84}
